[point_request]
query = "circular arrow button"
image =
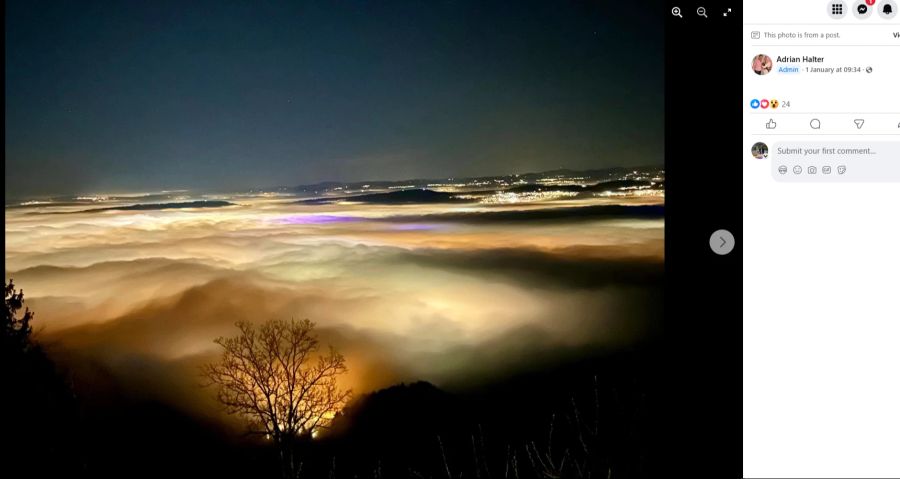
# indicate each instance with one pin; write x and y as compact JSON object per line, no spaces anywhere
{"x":721,"y":242}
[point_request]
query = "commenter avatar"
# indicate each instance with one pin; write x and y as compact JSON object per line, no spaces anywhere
{"x":760,"y":150}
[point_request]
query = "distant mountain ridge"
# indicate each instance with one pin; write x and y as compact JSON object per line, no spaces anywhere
{"x":602,"y":173}
{"x":401,"y":197}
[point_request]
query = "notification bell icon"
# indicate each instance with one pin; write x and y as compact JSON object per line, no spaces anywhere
{"x":887,"y":10}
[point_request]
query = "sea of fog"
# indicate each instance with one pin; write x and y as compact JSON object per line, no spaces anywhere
{"x":445,"y":292}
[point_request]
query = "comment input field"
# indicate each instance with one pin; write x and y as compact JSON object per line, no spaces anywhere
{"x":816,"y":162}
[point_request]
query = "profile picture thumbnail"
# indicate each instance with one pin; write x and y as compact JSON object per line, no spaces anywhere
{"x":760,"y":150}
{"x":762,"y":64}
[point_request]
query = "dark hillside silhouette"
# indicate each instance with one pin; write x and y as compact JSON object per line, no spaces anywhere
{"x":589,"y":418}
{"x":37,"y":408}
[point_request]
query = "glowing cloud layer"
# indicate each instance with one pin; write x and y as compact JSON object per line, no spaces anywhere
{"x":440,"y":292}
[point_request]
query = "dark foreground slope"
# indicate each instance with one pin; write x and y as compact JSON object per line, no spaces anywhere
{"x":575,"y":419}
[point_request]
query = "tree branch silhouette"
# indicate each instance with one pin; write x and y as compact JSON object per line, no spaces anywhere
{"x":274,"y":376}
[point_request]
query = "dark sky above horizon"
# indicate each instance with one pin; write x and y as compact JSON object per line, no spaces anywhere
{"x":139,"y":96}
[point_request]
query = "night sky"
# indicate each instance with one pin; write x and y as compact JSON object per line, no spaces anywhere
{"x":140,"y":96}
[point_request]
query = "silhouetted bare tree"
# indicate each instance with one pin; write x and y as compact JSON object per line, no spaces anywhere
{"x":274,"y":376}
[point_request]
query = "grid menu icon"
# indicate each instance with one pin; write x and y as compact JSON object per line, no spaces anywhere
{"x":837,"y":9}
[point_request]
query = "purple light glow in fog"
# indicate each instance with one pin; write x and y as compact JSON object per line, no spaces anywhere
{"x":416,"y":227}
{"x":315,"y":219}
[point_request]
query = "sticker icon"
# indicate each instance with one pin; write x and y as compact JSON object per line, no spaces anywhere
{"x":842,"y":169}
